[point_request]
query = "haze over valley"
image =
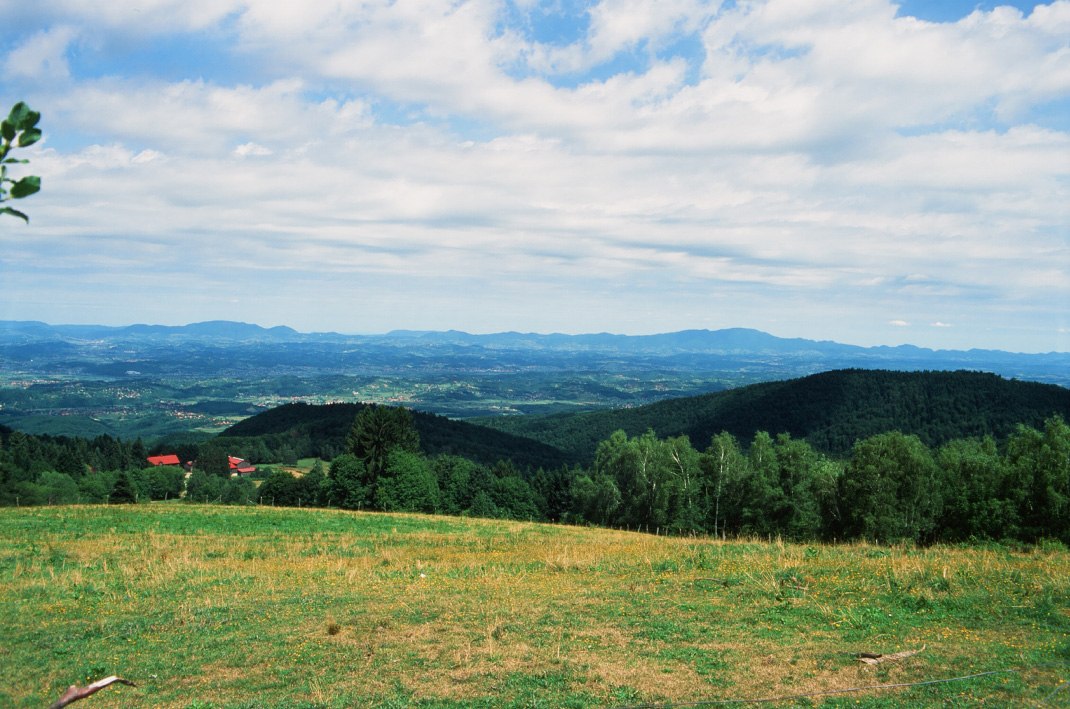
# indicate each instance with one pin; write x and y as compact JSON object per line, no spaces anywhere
{"x":149,"y":380}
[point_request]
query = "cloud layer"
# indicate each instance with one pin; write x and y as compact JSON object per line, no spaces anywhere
{"x":817,"y":169}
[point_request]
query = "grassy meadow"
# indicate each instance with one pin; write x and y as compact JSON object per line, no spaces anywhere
{"x":212,"y":606}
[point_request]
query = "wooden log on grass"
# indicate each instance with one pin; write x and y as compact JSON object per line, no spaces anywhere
{"x":74,"y":693}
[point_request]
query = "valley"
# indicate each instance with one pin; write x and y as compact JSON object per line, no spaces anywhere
{"x":153,"y":381}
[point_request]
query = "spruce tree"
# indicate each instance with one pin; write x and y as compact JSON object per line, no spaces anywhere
{"x":122,"y":491}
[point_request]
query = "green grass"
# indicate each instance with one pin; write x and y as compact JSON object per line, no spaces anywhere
{"x":207,"y":606}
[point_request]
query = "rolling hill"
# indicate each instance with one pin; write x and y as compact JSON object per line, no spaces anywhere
{"x":323,"y":429}
{"x":831,"y":410}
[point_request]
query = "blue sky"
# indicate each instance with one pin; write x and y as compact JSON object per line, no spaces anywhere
{"x":871,"y":172}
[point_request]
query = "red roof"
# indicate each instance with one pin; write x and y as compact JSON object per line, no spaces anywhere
{"x":163,"y":460}
{"x":235,"y":462}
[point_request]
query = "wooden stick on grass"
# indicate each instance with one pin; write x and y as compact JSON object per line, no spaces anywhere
{"x":74,"y":692}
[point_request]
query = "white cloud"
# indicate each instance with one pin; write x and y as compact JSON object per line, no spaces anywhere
{"x":864,"y":69}
{"x":42,"y":55}
{"x":127,"y":16}
{"x":147,"y":156}
{"x":623,"y":25}
{"x":198,"y":117}
{"x":827,"y":160}
{"x":252,"y":149}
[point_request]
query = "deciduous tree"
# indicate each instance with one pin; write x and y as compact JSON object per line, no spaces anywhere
{"x":348,"y":484}
{"x":18,"y":130}
{"x":408,"y":485}
{"x":888,"y":491}
{"x":595,"y":499}
{"x":973,"y":486}
{"x":1040,"y":463}
{"x":725,"y":469}
{"x":763,"y":498}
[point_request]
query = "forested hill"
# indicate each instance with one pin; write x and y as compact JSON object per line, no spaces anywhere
{"x":299,"y":430}
{"x":830,"y":410}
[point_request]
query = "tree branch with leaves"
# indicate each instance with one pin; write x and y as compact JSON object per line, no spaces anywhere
{"x":18,"y":130}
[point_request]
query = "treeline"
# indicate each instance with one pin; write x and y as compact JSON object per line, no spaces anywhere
{"x":56,"y":470}
{"x":383,"y":468}
{"x":891,"y":486}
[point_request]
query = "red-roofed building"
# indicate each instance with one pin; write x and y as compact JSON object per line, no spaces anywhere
{"x":241,"y":466}
{"x":163,"y":460}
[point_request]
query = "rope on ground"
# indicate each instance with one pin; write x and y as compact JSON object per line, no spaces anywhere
{"x":825,"y":693}
{"x":1062,"y":685}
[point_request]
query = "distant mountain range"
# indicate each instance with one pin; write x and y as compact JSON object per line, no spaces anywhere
{"x":22,"y":331}
{"x":219,"y":343}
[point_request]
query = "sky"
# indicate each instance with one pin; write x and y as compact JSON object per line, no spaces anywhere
{"x":872,"y":172}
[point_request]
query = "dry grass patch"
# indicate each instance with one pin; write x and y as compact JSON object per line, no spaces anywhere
{"x":341,"y":609}
{"x":651,"y":679}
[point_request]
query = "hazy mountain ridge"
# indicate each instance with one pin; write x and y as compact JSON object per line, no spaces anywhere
{"x":724,"y":341}
{"x":14,"y":330}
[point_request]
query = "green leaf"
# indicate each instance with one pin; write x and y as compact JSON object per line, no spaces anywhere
{"x":14,"y":161}
{"x":19,"y":113}
{"x":26,"y":187}
{"x":29,"y":121}
{"x":7,"y":130}
{"x":15,"y":213}
{"x":29,"y":137}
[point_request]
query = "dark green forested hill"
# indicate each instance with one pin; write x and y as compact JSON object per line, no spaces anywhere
{"x":831,"y":410}
{"x":299,"y":430}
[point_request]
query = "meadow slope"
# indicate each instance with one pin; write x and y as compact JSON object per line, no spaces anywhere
{"x":241,"y":607}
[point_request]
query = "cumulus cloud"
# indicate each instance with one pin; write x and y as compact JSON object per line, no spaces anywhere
{"x":125,"y":16}
{"x":252,"y":149}
{"x":43,"y":55}
{"x":703,"y":164}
